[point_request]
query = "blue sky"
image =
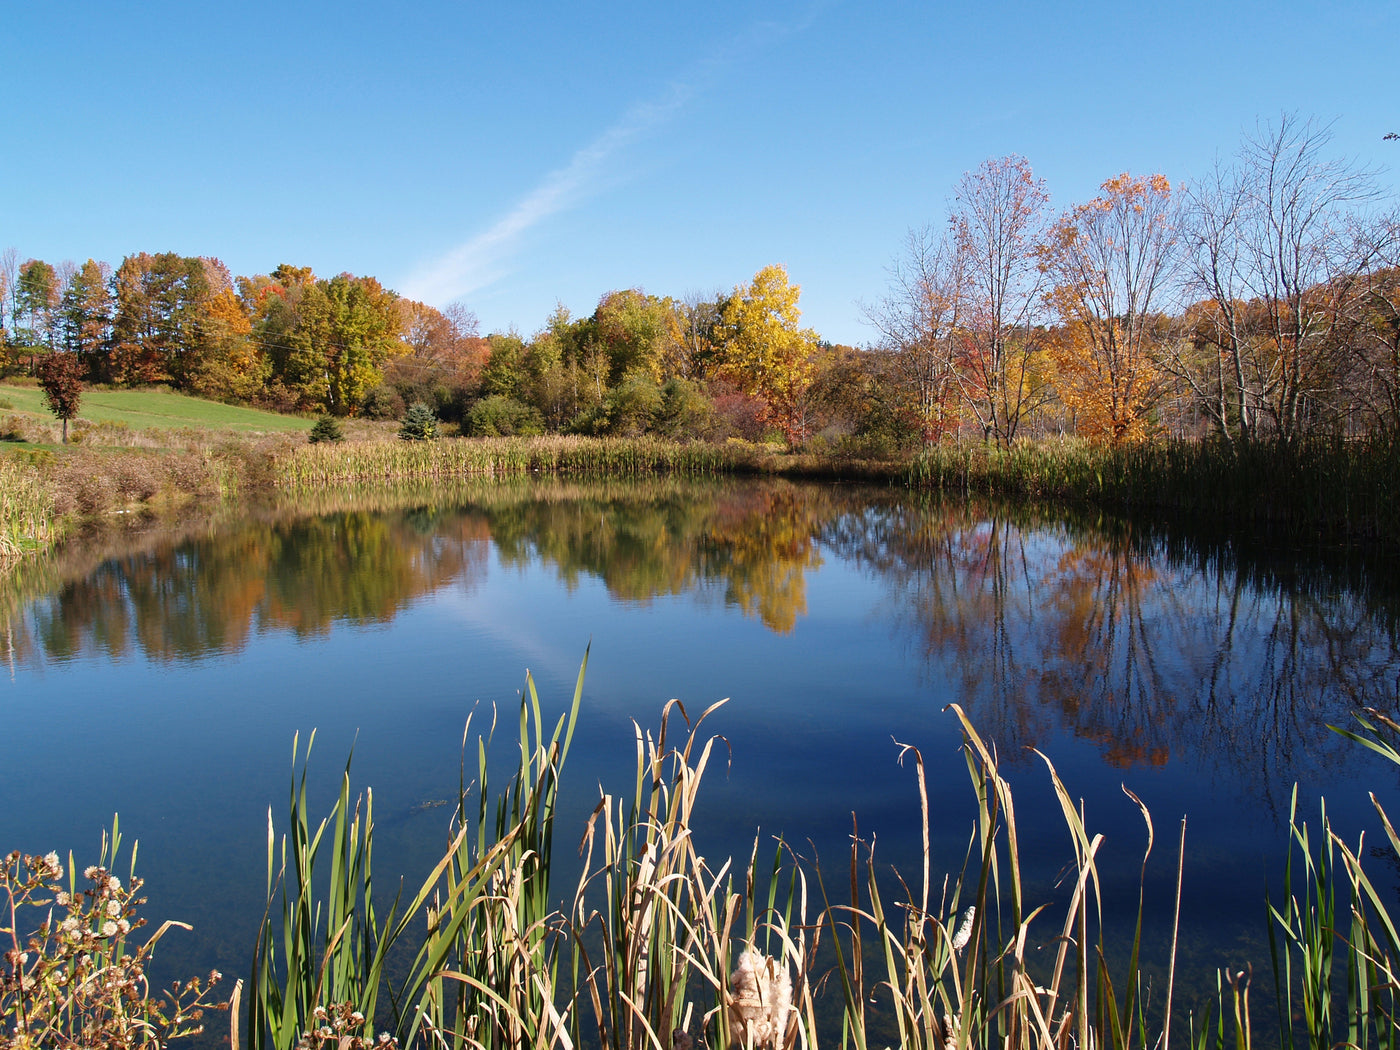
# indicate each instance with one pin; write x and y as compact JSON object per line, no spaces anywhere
{"x":515,"y":155}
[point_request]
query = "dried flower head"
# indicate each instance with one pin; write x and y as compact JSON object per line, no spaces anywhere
{"x":964,"y":932}
{"x":760,"y":1006}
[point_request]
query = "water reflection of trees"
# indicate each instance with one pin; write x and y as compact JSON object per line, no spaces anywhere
{"x":187,"y":597}
{"x":1151,"y":647}
{"x":750,"y":546}
{"x":206,"y":590}
{"x":1151,"y":643}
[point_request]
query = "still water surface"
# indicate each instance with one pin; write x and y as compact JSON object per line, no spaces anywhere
{"x":163,"y":676}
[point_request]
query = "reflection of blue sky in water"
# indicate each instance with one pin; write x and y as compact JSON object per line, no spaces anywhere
{"x":1201,"y":690}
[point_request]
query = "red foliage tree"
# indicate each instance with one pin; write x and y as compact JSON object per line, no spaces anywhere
{"x":61,"y":376}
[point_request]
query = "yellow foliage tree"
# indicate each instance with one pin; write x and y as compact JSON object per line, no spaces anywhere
{"x":1107,"y":260}
{"x":231,"y":364}
{"x":761,"y":348}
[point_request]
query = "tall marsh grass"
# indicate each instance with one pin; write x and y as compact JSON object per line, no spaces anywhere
{"x":1343,"y":489}
{"x":661,"y":948}
{"x":26,"y":510}
{"x":328,"y":462}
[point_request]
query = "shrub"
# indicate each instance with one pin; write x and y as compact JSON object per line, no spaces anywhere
{"x":383,"y":402}
{"x":77,"y":980}
{"x":327,"y":428}
{"x":685,"y":410}
{"x":500,"y":416}
{"x":633,"y":406}
{"x":419,"y":423}
{"x":739,"y":415}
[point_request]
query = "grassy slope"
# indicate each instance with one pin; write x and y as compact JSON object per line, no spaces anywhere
{"x":156,"y":408}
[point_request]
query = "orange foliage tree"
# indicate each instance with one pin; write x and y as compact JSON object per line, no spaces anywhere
{"x":1107,"y":261}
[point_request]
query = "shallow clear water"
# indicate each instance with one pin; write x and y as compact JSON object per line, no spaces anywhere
{"x":163,"y":676}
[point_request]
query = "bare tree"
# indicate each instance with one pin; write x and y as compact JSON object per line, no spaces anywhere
{"x":1276,"y":255}
{"x":1001,"y":219}
{"x":918,"y":321}
{"x":9,"y":290}
{"x":1375,"y":344}
{"x":698,"y":313}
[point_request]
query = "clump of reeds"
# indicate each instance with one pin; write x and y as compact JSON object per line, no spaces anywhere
{"x":26,"y":510}
{"x":661,"y":949}
{"x":1337,"y":973}
{"x":484,"y":972}
{"x":1338,"y":488}
{"x":324,"y":463}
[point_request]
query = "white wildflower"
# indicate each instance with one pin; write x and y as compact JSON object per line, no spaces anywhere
{"x":114,"y":909}
{"x":92,"y":871}
{"x":52,"y":867}
{"x":109,"y":928}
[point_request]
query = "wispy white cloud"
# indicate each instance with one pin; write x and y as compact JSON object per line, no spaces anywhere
{"x":483,"y":259}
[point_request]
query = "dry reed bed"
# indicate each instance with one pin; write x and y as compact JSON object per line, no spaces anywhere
{"x":26,"y":511}
{"x":1340,"y":489}
{"x":337,"y":463}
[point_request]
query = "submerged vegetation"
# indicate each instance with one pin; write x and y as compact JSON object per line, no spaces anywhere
{"x":659,"y":947}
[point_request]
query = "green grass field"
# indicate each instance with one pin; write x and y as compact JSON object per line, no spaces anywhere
{"x":141,"y":409}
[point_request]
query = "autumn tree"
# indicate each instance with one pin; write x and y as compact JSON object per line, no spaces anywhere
{"x":160,"y":303}
{"x":999,"y":222}
{"x":61,"y":377}
{"x":1375,"y":343}
{"x":442,"y":363}
{"x":1109,"y":262}
{"x":551,"y":379}
{"x":230,"y":366}
{"x":86,"y":318}
{"x":504,"y":374}
{"x":636,"y":331}
{"x":1276,"y":256}
{"x":760,"y":347}
{"x":919,"y":322}
{"x":363,"y":336}
{"x":37,"y":302}
{"x":273,"y":305}
{"x":326,"y":342}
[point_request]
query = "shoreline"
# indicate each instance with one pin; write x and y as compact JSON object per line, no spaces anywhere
{"x":1333,"y":492}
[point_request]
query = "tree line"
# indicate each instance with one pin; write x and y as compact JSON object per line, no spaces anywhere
{"x":1261,"y":301}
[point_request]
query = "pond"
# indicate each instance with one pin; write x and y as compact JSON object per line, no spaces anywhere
{"x":163,"y":675}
